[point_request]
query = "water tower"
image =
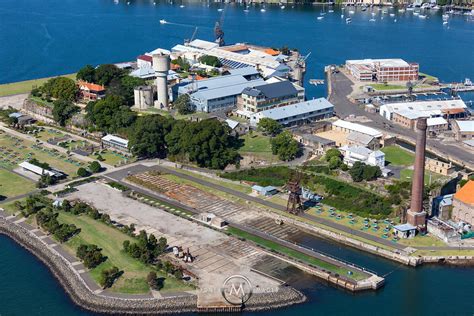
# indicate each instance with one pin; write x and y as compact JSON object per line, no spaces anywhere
{"x":161,"y":66}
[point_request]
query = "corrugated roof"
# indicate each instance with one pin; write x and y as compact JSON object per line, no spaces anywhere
{"x":296,"y":109}
{"x":465,"y":126}
{"x":115,"y":139}
{"x":466,"y":193}
{"x":360,"y":138}
{"x":358,"y":128}
{"x":433,"y":121}
{"x":90,"y":86}
{"x":272,"y":90}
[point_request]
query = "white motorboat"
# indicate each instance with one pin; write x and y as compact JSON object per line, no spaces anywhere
{"x":163,"y":21}
{"x":330,"y":11}
{"x":416,"y":13}
{"x":246,"y":10}
{"x":342,"y":16}
{"x":220,"y":10}
{"x":263,"y":10}
{"x":422,"y":16}
{"x":351,"y":12}
{"x":392,"y":14}
{"x":348,"y":20}
{"x":320,"y":17}
{"x":445,"y":17}
{"x":445,"y":22}
{"x":282,"y":7}
{"x":372,"y":20}
{"x":401,"y":10}
{"x":182,"y":6}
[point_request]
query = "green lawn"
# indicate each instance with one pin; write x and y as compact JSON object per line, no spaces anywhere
{"x":296,"y":254}
{"x":381,"y":86}
{"x":12,"y":184}
{"x":398,"y":156}
{"x":25,"y":86}
{"x":14,"y":150}
{"x":407,"y":174}
{"x":111,"y":241}
{"x":257,"y":145}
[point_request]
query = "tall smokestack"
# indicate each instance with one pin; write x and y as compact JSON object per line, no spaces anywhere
{"x":416,"y":216}
{"x":161,"y":65}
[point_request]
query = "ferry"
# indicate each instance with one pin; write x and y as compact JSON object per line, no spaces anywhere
{"x":348,"y":20}
{"x":163,"y":21}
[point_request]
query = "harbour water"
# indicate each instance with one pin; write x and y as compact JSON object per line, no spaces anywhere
{"x":51,"y":37}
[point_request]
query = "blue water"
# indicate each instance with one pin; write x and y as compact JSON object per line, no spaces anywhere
{"x":41,"y":38}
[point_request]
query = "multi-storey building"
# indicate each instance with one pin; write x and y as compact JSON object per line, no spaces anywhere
{"x":382,"y":70}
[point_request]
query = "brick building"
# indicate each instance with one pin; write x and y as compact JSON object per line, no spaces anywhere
{"x":463,"y":204}
{"x":382,"y":70}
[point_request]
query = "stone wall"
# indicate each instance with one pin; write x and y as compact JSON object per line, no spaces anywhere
{"x":81,"y":295}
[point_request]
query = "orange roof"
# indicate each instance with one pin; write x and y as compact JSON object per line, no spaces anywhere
{"x":466,"y":193}
{"x":175,"y":66}
{"x":271,"y":51}
{"x":91,"y":86}
{"x":453,"y":111}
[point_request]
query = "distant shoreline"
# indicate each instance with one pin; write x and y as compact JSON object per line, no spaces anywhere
{"x":81,"y":295}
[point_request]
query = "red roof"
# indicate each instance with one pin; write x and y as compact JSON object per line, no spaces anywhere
{"x":90,"y":86}
{"x":146,"y":58}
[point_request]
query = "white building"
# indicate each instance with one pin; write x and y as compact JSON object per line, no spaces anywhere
{"x":349,"y":127}
{"x":298,"y":113}
{"x":352,"y":154}
{"x":38,"y":170}
{"x":111,"y":141}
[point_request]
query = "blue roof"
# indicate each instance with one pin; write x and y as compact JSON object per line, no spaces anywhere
{"x":297,"y":109}
{"x":273,"y":90}
{"x":246,"y":71}
{"x":16,"y":115}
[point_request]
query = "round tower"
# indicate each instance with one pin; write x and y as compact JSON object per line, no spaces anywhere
{"x":161,"y":66}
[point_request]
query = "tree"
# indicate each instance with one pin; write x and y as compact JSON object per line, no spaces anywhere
{"x":147,"y":136}
{"x":108,"y":277}
{"x":63,"y":110}
{"x":90,"y":255}
{"x":86,"y":73}
{"x":183,"y":104}
{"x":270,"y":126}
{"x":183,"y":64}
{"x":210,"y":61}
{"x":60,"y":88}
{"x":332,"y":152}
{"x":82,"y":172}
{"x":207,"y":142}
{"x":357,"y":171}
{"x":334,"y":162}
{"x":361,"y":171}
{"x":109,"y":114}
{"x":285,"y":146}
{"x":105,"y":73}
{"x":95,"y":167}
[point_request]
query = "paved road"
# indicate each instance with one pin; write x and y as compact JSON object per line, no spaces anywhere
{"x":339,"y":227}
{"x":120,"y":174}
{"x":342,"y":87}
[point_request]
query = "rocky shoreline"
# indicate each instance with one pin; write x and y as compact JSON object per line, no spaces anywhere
{"x":82,"y":296}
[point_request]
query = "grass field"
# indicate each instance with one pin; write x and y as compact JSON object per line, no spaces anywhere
{"x":12,"y":184}
{"x":381,"y":86}
{"x":398,"y":156}
{"x":133,"y":281}
{"x":112,"y":158}
{"x":14,"y":150}
{"x":25,"y":86}
{"x":407,"y":174}
{"x":258,"y":146}
{"x":296,"y":254}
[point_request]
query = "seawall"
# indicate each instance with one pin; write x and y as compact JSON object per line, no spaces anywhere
{"x":81,"y":295}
